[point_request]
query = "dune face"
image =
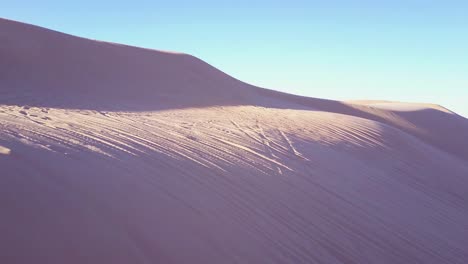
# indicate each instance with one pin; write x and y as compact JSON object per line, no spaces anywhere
{"x":117,"y":154}
{"x":68,"y":71}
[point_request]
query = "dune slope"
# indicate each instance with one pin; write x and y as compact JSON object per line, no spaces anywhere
{"x":117,"y":154}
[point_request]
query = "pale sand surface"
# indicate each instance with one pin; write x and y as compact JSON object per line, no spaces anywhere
{"x":115,"y":154}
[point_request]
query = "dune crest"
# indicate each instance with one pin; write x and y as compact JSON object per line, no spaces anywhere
{"x":116,"y":154}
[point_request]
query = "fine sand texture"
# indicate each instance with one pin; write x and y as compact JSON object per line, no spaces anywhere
{"x":117,"y":154}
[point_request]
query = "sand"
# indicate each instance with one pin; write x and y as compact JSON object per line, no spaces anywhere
{"x":117,"y":154}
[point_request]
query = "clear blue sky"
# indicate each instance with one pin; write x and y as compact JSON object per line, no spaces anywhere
{"x":395,"y":50}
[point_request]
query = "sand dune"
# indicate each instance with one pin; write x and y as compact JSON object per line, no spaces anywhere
{"x":117,"y":154}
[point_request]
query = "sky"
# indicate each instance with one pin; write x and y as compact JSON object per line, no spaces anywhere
{"x":401,"y":50}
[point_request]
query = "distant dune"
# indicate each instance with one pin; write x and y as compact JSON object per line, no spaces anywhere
{"x":117,"y":154}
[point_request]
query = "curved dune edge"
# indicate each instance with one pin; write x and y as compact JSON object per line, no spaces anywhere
{"x":213,"y":170}
{"x":400,"y":106}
